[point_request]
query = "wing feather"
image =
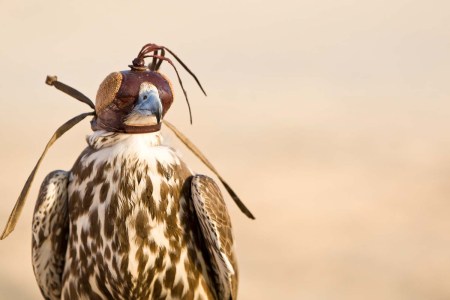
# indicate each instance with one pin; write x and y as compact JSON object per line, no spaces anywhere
{"x":50,"y":233}
{"x":216,"y":228}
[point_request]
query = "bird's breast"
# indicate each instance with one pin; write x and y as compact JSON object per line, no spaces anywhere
{"x":129,"y":217}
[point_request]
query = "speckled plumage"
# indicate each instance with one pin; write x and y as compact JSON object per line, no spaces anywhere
{"x":131,"y":221}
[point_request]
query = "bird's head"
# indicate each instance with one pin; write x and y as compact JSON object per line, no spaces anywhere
{"x":136,"y":101}
{"x":132,"y":101}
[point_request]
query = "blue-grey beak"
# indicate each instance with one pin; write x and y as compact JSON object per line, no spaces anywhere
{"x":149,"y":104}
{"x":148,"y":108}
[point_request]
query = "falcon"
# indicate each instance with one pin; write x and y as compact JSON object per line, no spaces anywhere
{"x":130,"y":220}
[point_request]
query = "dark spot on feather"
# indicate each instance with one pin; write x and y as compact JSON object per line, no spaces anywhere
{"x":115,"y":175}
{"x":107,"y":253}
{"x":157,"y":288}
{"x":104,"y":192}
{"x":88,"y":196}
{"x":177,"y":290}
{"x":142,"y":225}
{"x":170,"y":277}
{"x":84,"y":172}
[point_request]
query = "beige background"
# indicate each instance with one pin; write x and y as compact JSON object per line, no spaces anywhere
{"x":330,"y":118}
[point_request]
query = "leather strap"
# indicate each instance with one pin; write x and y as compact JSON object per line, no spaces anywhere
{"x":17,"y":210}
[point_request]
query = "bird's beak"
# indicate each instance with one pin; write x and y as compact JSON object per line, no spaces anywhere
{"x":148,"y":110}
{"x":150,"y":105}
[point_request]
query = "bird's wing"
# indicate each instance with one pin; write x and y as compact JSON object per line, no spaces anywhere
{"x":216,"y":228}
{"x":50,"y":232}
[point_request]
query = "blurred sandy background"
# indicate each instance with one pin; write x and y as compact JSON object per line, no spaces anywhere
{"x":329,"y":118}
